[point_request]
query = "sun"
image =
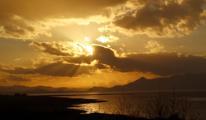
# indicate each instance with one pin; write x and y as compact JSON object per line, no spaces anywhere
{"x":83,"y":47}
{"x":87,"y":38}
{"x":103,"y":39}
{"x":89,"y":49}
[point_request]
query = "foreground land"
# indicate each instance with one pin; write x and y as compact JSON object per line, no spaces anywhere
{"x":53,"y":108}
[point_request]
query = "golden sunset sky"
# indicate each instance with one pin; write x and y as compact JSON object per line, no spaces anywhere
{"x":99,"y":43}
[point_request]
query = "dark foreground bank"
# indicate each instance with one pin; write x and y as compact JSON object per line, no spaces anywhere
{"x":53,"y":108}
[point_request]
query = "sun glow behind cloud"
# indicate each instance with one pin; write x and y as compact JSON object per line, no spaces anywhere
{"x":107,"y":38}
{"x":103,"y":39}
{"x":83,"y":47}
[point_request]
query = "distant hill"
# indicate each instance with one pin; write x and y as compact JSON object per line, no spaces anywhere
{"x":186,"y":82}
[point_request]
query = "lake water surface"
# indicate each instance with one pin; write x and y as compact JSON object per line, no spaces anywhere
{"x":136,"y":103}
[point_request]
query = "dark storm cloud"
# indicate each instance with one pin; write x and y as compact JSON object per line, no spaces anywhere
{"x":52,"y":48}
{"x":159,"y":63}
{"x":164,"y":17}
{"x":105,"y":56}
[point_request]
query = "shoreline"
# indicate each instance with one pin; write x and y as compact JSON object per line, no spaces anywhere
{"x":53,"y":108}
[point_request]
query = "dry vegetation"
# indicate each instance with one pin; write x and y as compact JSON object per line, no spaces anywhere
{"x":159,"y":107}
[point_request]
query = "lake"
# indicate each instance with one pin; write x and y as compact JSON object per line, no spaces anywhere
{"x":141,"y":103}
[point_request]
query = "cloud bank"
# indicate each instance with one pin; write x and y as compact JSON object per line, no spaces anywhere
{"x":157,"y":63}
{"x":163,"y":18}
{"x":23,"y":19}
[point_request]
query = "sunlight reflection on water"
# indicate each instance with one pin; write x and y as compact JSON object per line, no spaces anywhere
{"x":115,"y":104}
{"x":128,"y":104}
